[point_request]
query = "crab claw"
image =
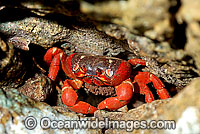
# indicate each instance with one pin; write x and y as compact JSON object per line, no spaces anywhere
{"x":69,"y":98}
{"x":124,"y":93}
{"x":83,"y":107}
{"x":112,"y":103}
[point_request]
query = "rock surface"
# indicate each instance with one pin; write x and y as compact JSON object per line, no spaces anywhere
{"x":12,"y":69}
{"x":73,"y":33}
{"x":15,"y":108}
{"x":188,"y":14}
{"x":38,"y":88}
{"x":136,"y":15}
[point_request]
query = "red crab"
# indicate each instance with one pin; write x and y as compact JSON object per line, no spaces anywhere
{"x":101,"y":70}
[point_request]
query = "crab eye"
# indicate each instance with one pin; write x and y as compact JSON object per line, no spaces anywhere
{"x":99,"y":72}
{"x":109,"y":72}
{"x":75,"y":68}
{"x":83,"y":69}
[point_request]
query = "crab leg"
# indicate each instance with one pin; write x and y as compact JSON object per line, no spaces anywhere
{"x":69,"y":98}
{"x":124,"y":93}
{"x":136,"y":62}
{"x":140,"y":81}
{"x":162,"y":92}
{"x":51,"y":53}
{"x":143,"y":78}
{"x":53,"y":57}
